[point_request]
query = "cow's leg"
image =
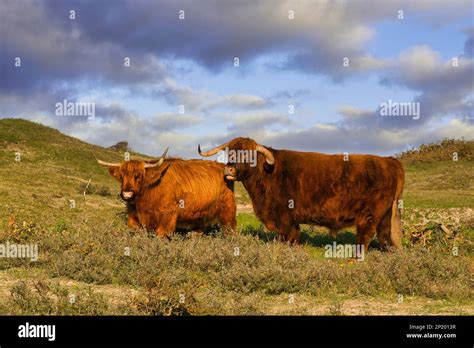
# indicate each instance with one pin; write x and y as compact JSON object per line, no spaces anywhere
{"x":366,"y":229}
{"x":166,"y":226}
{"x":227,"y":215}
{"x":133,"y":222}
{"x":383,"y":230}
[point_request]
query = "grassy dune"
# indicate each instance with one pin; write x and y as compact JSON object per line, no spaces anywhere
{"x":90,"y":263}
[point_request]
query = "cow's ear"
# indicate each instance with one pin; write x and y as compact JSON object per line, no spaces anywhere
{"x":154,"y":175}
{"x":115,"y":172}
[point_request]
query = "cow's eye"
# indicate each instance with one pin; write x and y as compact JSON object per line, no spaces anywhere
{"x":137,"y":177}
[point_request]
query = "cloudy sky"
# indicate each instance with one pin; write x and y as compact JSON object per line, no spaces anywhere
{"x":333,"y":63}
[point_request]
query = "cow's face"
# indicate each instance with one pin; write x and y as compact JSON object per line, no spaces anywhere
{"x":131,"y":175}
{"x":244,"y":158}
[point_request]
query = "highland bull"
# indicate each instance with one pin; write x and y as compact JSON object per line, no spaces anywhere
{"x":165,"y":195}
{"x":289,"y":188}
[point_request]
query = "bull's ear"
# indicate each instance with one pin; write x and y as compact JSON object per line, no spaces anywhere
{"x":269,"y":168}
{"x":115,"y":172}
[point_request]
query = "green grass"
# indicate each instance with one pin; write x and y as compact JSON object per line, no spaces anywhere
{"x":82,"y":248}
{"x":248,"y":220}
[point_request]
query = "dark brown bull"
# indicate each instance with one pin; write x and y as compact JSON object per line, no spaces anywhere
{"x":164,"y":195}
{"x":289,"y":188}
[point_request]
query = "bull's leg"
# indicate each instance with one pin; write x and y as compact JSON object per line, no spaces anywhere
{"x":365,"y":232}
{"x":197,"y":232}
{"x":281,"y":230}
{"x":281,"y":237}
{"x":396,"y":227}
{"x":293,"y":234}
{"x":333,"y":233}
{"x":383,"y":230}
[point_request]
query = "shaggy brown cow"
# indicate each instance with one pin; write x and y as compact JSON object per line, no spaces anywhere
{"x":289,"y":188}
{"x":164,"y":195}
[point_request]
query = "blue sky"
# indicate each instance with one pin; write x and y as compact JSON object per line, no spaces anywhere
{"x":282,"y":62}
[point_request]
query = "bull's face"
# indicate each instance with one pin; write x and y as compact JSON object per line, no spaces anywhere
{"x":241,"y":159}
{"x":231,"y":172}
{"x":244,"y":156}
{"x":131,"y":175}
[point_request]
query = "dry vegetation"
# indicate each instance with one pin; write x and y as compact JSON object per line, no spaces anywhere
{"x":440,"y":151}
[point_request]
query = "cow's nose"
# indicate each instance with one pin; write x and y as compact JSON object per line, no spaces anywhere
{"x":127,"y":194}
{"x":230,"y":170}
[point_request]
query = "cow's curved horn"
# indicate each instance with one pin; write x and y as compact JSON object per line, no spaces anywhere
{"x":158,"y":162}
{"x":267,"y":153}
{"x":107,"y":164}
{"x":212,"y":151}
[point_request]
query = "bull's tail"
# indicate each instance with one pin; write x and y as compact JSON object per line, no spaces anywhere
{"x":396,"y":224}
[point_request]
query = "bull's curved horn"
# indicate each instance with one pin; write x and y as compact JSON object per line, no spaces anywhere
{"x":107,"y":164}
{"x":212,"y":151}
{"x":267,"y":153}
{"x":158,"y":162}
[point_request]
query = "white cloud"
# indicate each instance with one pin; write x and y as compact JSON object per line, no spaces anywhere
{"x":238,"y":100}
{"x":353,"y":113}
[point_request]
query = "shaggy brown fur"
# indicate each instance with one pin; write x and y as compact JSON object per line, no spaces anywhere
{"x":179,"y":194}
{"x":314,"y":188}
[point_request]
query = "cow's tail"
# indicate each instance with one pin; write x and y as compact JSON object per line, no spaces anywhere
{"x":396,"y":223}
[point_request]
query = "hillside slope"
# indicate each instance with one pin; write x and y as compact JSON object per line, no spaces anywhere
{"x":440,"y":175}
{"x":53,"y":169}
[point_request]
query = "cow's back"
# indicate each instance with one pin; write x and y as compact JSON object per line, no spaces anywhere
{"x":202,"y":180}
{"x":195,"y":190}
